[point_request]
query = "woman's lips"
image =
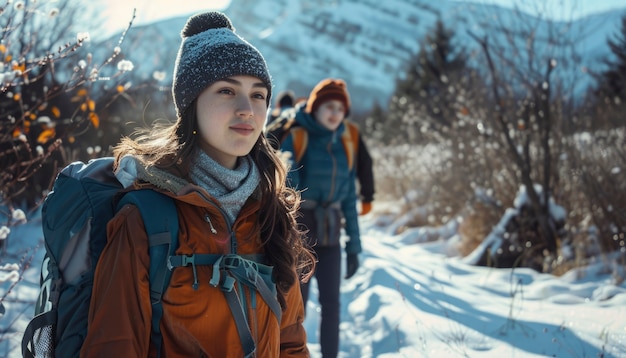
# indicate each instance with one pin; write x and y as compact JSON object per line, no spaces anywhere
{"x":243,"y":129}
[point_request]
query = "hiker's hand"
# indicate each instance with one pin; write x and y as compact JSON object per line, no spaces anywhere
{"x":352,"y":261}
{"x":366,"y":207}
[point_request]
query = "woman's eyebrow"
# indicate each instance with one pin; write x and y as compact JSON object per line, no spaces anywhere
{"x":235,"y":82}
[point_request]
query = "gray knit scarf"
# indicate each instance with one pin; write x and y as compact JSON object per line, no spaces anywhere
{"x":230,"y":187}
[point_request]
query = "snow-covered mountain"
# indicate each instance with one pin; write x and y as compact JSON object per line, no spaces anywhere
{"x":365,"y":42}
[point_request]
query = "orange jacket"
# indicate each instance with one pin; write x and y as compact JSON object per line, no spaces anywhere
{"x":195,"y":323}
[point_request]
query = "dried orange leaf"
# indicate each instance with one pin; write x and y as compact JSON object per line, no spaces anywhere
{"x":19,"y":67}
{"x":46,"y":135}
{"x":56,"y":111}
{"x":95,"y":120}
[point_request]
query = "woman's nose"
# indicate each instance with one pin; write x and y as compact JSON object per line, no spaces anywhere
{"x":244,"y":108}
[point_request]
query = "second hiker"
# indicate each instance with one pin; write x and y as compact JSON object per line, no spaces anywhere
{"x":326,"y":175}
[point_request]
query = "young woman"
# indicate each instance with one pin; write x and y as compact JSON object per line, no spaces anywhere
{"x":229,"y":190}
{"x":328,"y":190}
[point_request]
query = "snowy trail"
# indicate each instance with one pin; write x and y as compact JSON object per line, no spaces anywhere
{"x":413,"y":301}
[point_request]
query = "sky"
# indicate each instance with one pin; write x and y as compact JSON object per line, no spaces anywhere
{"x":415,"y":298}
{"x":119,"y":12}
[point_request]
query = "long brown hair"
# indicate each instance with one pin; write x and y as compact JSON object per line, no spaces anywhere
{"x":172,"y":147}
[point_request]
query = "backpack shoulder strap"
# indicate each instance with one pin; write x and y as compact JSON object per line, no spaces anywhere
{"x":350,"y":140}
{"x":160,"y":219}
{"x":300,"y":142}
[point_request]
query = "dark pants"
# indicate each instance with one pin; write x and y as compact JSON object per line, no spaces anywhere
{"x":328,"y":276}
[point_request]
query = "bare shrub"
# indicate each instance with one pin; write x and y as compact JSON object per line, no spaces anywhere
{"x":49,"y":95}
{"x":480,"y":141}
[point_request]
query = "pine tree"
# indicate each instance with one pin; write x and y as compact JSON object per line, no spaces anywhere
{"x":433,"y":90}
{"x":611,"y":83}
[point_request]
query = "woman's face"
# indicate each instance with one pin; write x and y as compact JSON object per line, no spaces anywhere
{"x":330,"y":114}
{"x":231,"y":114}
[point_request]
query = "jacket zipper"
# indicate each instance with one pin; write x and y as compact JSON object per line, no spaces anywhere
{"x":208,"y":219}
{"x":231,"y":232}
{"x":329,"y":149}
{"x":233,"y":249}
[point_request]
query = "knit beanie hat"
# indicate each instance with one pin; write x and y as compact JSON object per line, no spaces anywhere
{"x":210,"y":51}
{"x":327,"y":90}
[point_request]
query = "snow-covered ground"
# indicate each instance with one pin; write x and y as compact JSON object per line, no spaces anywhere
{"x":413,"y":300}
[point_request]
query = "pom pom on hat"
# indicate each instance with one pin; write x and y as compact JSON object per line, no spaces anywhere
{"x":327,"y":90}
{"x":202,"y":22}
{"x":210,"y":51}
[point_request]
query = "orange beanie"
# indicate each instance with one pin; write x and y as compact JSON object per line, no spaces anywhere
{"x":327,"y":90}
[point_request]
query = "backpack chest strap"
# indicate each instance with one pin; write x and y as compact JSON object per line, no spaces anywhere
{"x":227,"y":270}
{"x":231,"y":268}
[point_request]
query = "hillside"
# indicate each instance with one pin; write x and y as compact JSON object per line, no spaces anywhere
{"x":366,"y":42}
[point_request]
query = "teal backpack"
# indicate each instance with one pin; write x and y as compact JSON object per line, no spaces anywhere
{"x":74,"y":217}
